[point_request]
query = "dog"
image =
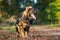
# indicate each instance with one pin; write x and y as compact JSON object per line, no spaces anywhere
{"x":23,"y":23}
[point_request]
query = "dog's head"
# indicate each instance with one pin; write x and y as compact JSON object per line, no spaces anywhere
{"x":29,"y":14}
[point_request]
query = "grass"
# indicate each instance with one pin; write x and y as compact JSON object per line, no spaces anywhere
{"x":8,"y":28}
{"x":13,"y":29}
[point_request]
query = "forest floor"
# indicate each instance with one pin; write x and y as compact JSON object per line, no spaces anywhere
{"x":37,"y":32}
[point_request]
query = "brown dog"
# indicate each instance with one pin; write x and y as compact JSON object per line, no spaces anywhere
{"x":23,"y":24}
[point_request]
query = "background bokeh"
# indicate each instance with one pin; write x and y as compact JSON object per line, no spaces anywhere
{"x":48,"y":11}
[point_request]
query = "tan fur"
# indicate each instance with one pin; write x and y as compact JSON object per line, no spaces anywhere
{"x":21,"y":27}
{"x":23,"y":24}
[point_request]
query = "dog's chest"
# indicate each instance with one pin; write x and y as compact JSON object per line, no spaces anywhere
{"x":23,"y":24}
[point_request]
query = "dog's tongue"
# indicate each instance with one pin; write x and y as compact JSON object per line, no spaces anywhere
{"x":33,"y":16}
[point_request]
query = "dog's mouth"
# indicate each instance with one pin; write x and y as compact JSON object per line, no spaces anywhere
{"x":33,"y":16}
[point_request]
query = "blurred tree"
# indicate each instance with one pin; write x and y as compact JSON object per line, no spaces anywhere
{"x":47,"y":10}
{"x":42,"y":5}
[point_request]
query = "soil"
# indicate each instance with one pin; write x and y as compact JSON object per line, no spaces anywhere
{"x":38,"y":33}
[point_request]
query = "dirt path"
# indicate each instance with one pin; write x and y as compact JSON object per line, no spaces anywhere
{"x":36,"y":33}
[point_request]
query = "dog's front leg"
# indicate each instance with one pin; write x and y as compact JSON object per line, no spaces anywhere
{"x":22,"y":32}
{"x":26,"y":34}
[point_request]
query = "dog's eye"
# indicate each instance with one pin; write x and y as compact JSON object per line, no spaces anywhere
{"x":29,"y":14}
{"x":30,"y":9}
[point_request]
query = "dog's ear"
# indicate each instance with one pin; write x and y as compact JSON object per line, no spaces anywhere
{"x":26,"y":8}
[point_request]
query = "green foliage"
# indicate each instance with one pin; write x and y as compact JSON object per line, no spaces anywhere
{"x":43,"y":15}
